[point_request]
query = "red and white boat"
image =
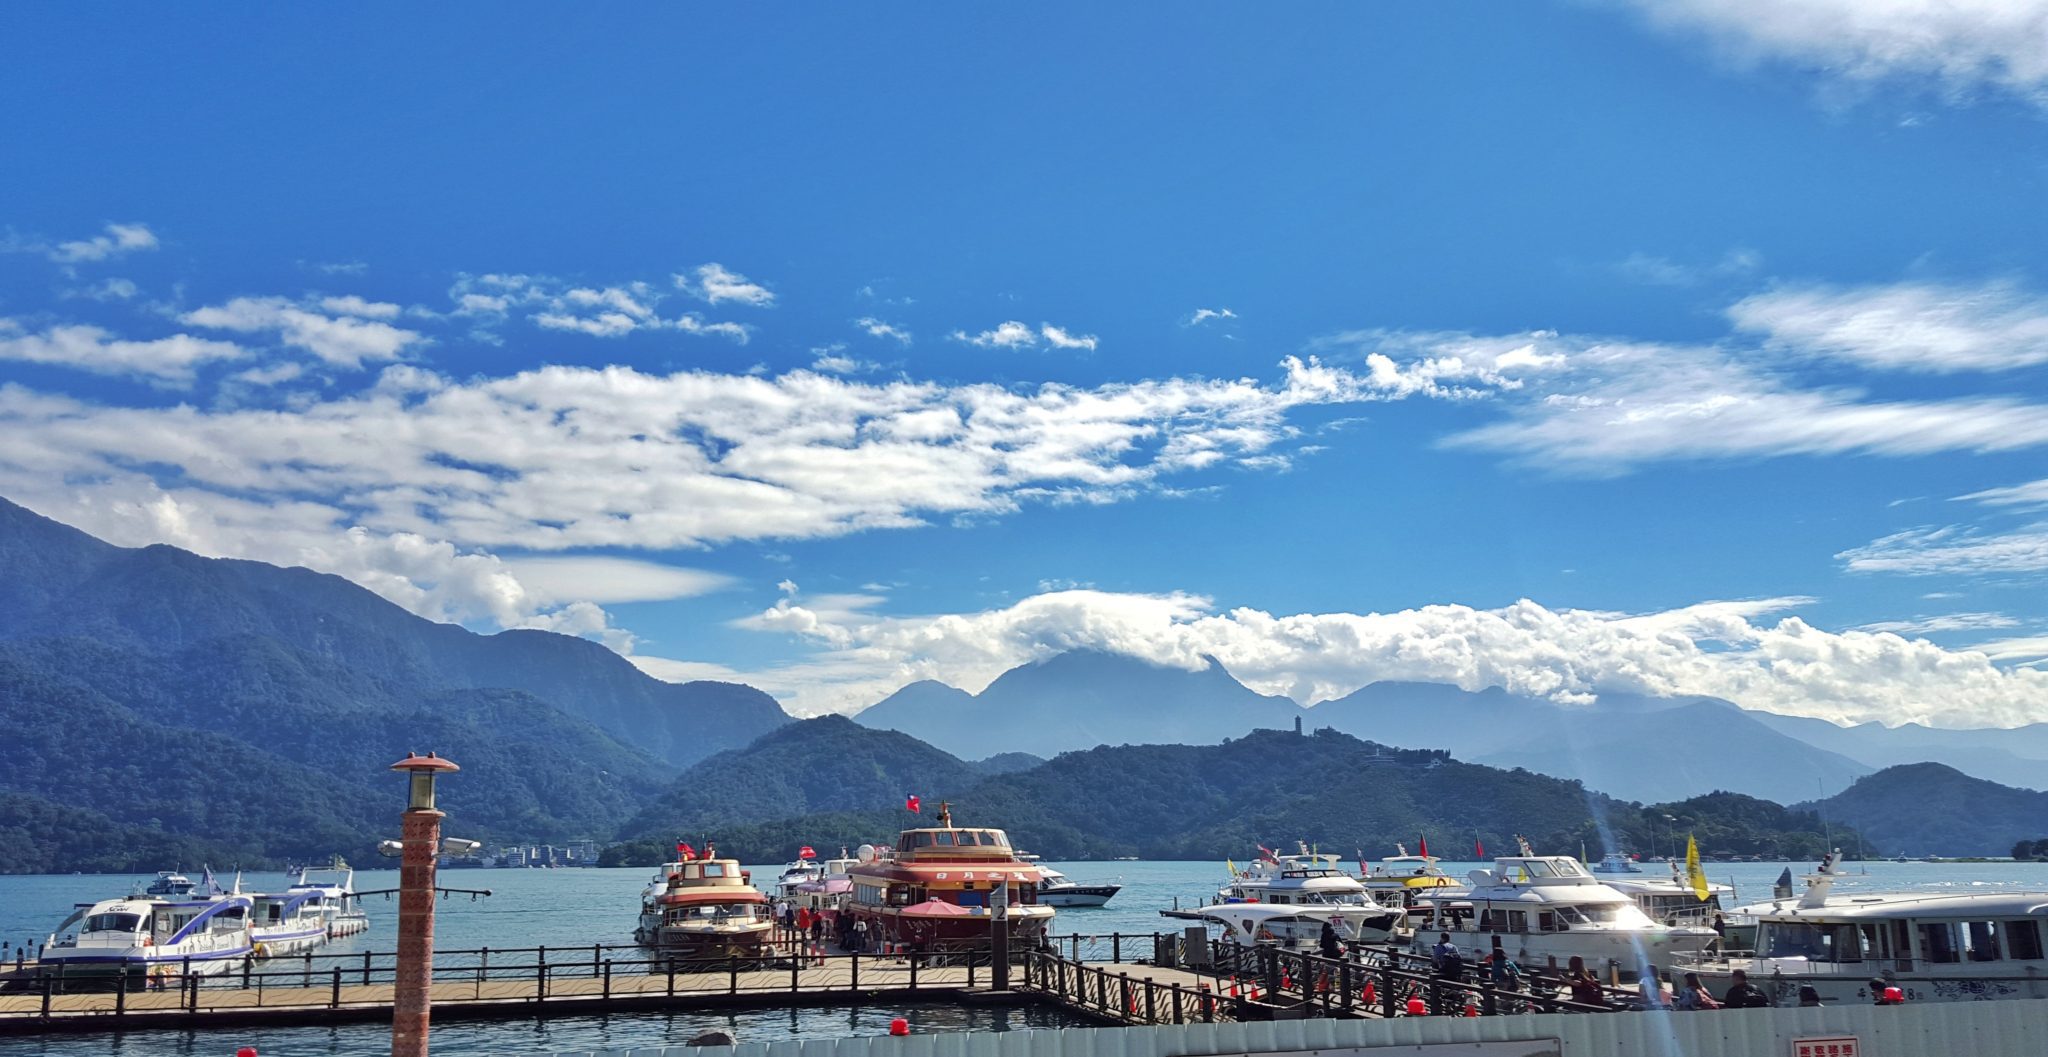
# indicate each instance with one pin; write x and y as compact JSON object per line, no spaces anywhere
{"x":933,"y":892}
{"x":704,"y":907}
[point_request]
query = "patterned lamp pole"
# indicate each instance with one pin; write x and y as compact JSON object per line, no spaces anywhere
{"x":421,"y":835}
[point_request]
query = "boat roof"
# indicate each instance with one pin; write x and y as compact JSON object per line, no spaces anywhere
{"x":1661,"y":885}
{"x":1844,"y":907}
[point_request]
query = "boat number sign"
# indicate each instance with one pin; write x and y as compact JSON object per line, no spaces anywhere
{"x":1832,"y":1046}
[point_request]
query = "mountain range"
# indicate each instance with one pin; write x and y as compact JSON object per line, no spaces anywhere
{"x":1933,"y":809}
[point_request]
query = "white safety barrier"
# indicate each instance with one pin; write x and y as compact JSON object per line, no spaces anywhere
{"x":1934,"y":1029}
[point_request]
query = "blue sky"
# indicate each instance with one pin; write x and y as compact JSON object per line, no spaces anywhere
{"x":1687,"y":347}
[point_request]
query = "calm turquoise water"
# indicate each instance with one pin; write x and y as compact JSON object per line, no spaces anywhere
{"x":575,"y":908}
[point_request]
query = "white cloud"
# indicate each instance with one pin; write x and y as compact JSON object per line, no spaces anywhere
{"x":598,"y":311}
{"x":107,"y":290}
{"x":119,"y":240}
{"x":1653,"y":270}
{"x":1203,"y":315}
{"x":1928,"y":327}
{"x":2027,"y":648}
{"x":839,"y":363}
{"x":564,"y":457}
{"x":1946,"y":622}
{"x":1722,"y":649}
{"x":1008,"y":335}
{"x":340,"y":340}
{"x":608,"y":579}
{"x":692,"y":323}
{"x":351,"y":305}
{"x":168,"y":361}
{"x":875,"y":328}
{"x":715,"y":283}
{"x":2032,"y":493}
{"x":1953,"y":550}
{"x":1061,"y":339}
{"x":1961,"y":45}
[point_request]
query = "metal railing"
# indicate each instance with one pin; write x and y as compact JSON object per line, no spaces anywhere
{"x":1120,"y":997}
{"x":1384,"y":982}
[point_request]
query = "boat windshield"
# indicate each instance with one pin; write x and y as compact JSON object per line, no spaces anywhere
{"x":111,"y":923}
{"x":1347,"y":899}
{"x":1618,"y":915}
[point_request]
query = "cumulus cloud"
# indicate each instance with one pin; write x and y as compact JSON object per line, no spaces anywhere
{"x":598,"y":311}
{"x":1007,"y":335}
{"x":117,"y":240}
{"x":352,"y":305}
{"x":715,"y":283}
{"x":1723,"y":649}
{"x":166,"y":361}
{"x":1926,"y":327}
{"x":1203,"y":315}
{"x":343,"y":340}
{"x":875,"y":328}
{"x":1961,"y":45}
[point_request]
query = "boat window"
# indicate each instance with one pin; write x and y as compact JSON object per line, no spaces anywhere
{"x":1569,"y":869}
{"x":1871,"y":941}
{"x":1938,"y":942}
{"x":943,"y":838}
{"x":1546,"y":921}
{"x":999,"y":838}
{"x":1796,"y":939}
{"x":712,"y":869}
{"x":112,"y":923}
{"x":1983,"y":937}
{"x":1518,"y":921}
{"x":2022,"y":940}
{"x":1538,"y":869}
{"x":924,"y":840}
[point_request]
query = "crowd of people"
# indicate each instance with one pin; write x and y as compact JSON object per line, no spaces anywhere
{"x":1496,"y":970}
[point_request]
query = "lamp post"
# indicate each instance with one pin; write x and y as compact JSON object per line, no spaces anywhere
{"x":421,"y":836}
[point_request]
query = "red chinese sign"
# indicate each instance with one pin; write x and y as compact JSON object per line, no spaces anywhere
{"x":1832,"y":1046}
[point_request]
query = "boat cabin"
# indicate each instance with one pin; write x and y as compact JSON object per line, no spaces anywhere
{"x":1904,"y":934}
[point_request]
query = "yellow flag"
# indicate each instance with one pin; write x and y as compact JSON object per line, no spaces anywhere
{"x":1231,"y":866}
{"x":1693,"y":873}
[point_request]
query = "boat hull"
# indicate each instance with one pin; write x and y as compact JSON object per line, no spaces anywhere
{"x":1079,"y":895}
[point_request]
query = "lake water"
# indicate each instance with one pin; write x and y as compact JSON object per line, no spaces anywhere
{"x":576,"y":908}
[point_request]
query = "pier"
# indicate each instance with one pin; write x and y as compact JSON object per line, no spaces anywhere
{"x":1118,"y":979}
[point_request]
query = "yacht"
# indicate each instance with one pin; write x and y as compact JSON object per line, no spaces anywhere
{"x":1311,"y":889}
{"x":141,"y":936}
{"x":704,"y":908}
{"x":1616,"y":862}
{"x":1549,"y":906}
{"x":941,"y":887}
{"x":1400,"y":877}
{"x":1672,"y":900}
{"x":829,"y":885}
{"x":1058,"y":890}
{"x":170,"y":884}
{"x":805,"y":869}
{"x":335,"y":884}
{"x":1934,"y":947}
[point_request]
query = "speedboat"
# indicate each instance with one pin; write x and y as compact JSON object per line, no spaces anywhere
{"x":1616,"y":862}
{"x":704,"y":907}
{"x":170,"y":884}
{"x":1548,"y":906}
{"x":335,"y":884}
{"x":805,"y":869}
{"x":1934,"y":947}
{"x":1058,"y":890}
{"x":141,"y":936}
{"x":943,"y":888}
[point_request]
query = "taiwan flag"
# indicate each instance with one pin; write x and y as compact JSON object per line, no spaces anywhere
{"x":805,"y":852}
{"x":912,"y":804}
{"x":684,"y":851}
{"x":1424,"y":842}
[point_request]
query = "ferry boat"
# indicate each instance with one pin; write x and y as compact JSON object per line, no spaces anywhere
{"x":287,"y":923}
{"x":1934,"y":947}
{"x":142,"y":936}
{"x":933,"y":891}
{"x":1616,"y":862}
{"x":704,"y":908}
{"x":1056,"y":889}
{"x":1400,"y":877}
{"x":1549,"y":906}
{"x":335,"y":884}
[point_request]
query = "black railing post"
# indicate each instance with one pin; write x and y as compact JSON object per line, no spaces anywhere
{"x":1116,"y":947}
{"x":732,"y":974}
{"x":121,"y":991}
{"x":541,"y":976}
{"x":914,"y":956}
{"x":854,"y":960}
{"x":483,"y":964}
{"x":1387,"y":991}
{"x":1151,"y":1002}
{"x":334,"y":990}
{"x":366,"y":968}
{"x":607,"y":978}
{"x":49,"y":984}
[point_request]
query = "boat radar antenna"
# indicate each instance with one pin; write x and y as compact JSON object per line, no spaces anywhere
{"x":1522,"y":843}
{"x":1401,"y":848}
{"x":945,"y":813}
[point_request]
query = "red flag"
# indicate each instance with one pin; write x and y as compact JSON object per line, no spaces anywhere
{"x":912,"y":804}
{"x":805,"y":852}
{"x":686,"y":852}
{"x":1478,"y":849}
{"x":1424,"y":841}
{"x":1269,"y":855}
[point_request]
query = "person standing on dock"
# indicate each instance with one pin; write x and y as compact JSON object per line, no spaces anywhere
{"x":1744,"y":995}
{"x":1443,"y":947}
{"x":1331,"y":947}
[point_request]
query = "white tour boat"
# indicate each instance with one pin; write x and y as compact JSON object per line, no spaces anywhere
{"x":1312,"y":889}
{"x":141,"y":936}
{"x":1672,"y":900}
{"x":335,"y":884}
{"x":1400,"y":877}
{"x":287,"y":923}
{"x":1059,"y":890}
{"x":1935,"y":947}
{"x":1549,"y":906}
{"x":804,"y":870}
{"x":1616,"y":862}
